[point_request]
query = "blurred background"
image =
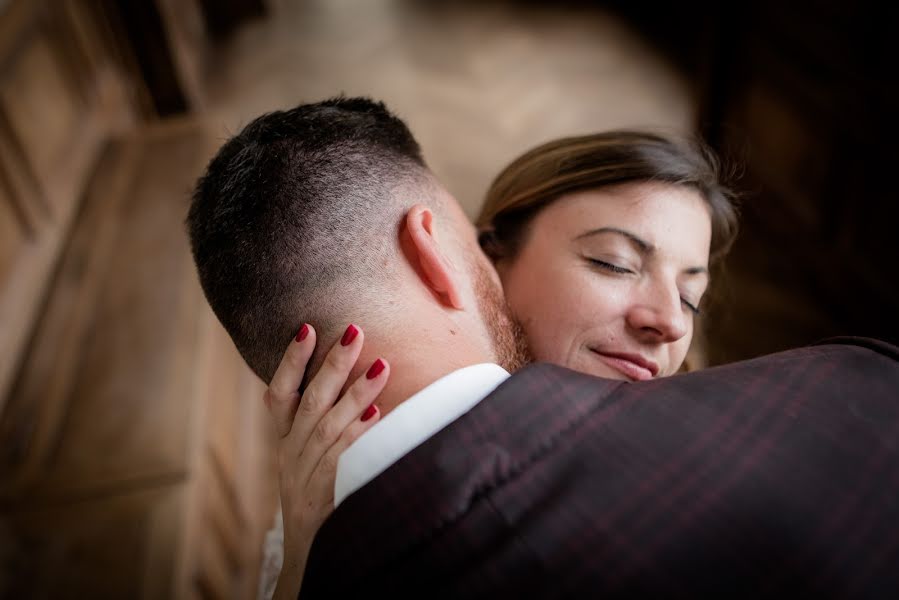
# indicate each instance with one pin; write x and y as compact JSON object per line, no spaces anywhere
{"x":135,"y":458}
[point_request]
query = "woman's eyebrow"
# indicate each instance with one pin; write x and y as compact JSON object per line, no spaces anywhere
{"x":642,"y":245}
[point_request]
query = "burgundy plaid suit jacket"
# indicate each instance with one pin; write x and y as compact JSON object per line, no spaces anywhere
{"x":775,"y":477}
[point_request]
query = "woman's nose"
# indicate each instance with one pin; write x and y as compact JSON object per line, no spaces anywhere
{"x":659,"y":316}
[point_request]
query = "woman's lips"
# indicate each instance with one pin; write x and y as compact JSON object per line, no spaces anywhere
{"x":632,"y":366}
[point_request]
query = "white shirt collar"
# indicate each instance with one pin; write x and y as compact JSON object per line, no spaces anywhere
{"x":412,"y":423}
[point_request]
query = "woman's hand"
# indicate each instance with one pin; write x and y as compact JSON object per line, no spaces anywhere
{"x":313,"y":431}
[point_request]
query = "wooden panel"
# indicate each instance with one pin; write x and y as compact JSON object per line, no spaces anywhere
{"x":132,"y":385}
{"x":241,"y":459}
{"x":56,"y":108}
{"x":240,"y":495}
{"x":12,"y":231}
{"x":20,"y":182}
{"x":220,"y":556}
{"x":186,"y":35}
{"x":223,"y":522}
{"x":41,"y":105}
{"x":256,"y":479}
{"x":116,"y":478}
{"x":213,"y":578}
{"x":39,"y":398}
{"x":104,"y":67}
{"x":106,"y":397}
{"x":27,"y":280}
{"x":224,"y":389}
{"x":127,"y":394}
{"x":223,"y":17}
{"x":145,"y":44}
{"x":107,"y":548}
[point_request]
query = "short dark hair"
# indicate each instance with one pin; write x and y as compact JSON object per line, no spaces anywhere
{"x":290,"y":210}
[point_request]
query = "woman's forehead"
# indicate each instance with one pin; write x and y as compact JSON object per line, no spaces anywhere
{"x":664,"y":216}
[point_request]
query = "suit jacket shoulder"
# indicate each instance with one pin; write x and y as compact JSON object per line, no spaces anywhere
{"x":779,"y":474}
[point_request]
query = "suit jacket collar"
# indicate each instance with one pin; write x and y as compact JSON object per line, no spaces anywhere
{"x":412,"y":423}
{"x":439,"y":481}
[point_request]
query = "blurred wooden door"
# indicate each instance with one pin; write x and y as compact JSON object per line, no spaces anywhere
{"x":61,"y":97}
{"x":134,"y":457}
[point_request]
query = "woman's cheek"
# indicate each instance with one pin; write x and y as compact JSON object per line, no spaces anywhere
{"x":603,"y":298}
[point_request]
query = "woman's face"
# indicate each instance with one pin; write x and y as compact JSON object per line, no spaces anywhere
{"x":607,"y":281}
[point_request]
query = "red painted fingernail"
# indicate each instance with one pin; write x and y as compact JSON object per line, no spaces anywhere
{"x":369,"y":412}
{"x":349,"y":335}
{"x":375,"y":369}
{"x":303,"y":332}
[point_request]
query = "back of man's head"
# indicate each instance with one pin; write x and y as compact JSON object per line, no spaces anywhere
{"x":288,"y":223}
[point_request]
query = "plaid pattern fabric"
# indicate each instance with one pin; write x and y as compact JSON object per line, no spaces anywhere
{"x":775,"y":477}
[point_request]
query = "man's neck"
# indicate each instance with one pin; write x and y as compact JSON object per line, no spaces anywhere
{"x":413,"y":368}
{"x":401,"y":388}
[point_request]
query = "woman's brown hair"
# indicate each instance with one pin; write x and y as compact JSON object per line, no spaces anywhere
{"x":543,"y":174}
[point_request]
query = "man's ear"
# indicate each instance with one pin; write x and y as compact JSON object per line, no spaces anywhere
{"x":428,"y":257}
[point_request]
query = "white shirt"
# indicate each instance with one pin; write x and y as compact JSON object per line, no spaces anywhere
{"x":412,"y":423}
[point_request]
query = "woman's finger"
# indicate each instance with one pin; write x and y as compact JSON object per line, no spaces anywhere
{"x":323,"y":390}
{"x":332,"y":428}
{"x":321,"y":480}
{"x":282,"y":395}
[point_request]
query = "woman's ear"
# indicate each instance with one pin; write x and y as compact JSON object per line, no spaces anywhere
{"x":428,"y":256}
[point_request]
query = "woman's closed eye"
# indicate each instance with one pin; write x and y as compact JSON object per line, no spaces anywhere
{"x":693,"y":308}
{"x":611,"y":267}
{"x":617,"y":269}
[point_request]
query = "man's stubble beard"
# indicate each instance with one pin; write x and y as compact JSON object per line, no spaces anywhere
{"x":506,"y":333}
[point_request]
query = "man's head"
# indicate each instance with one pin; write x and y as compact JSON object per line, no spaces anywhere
{"x":327,"y":214}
